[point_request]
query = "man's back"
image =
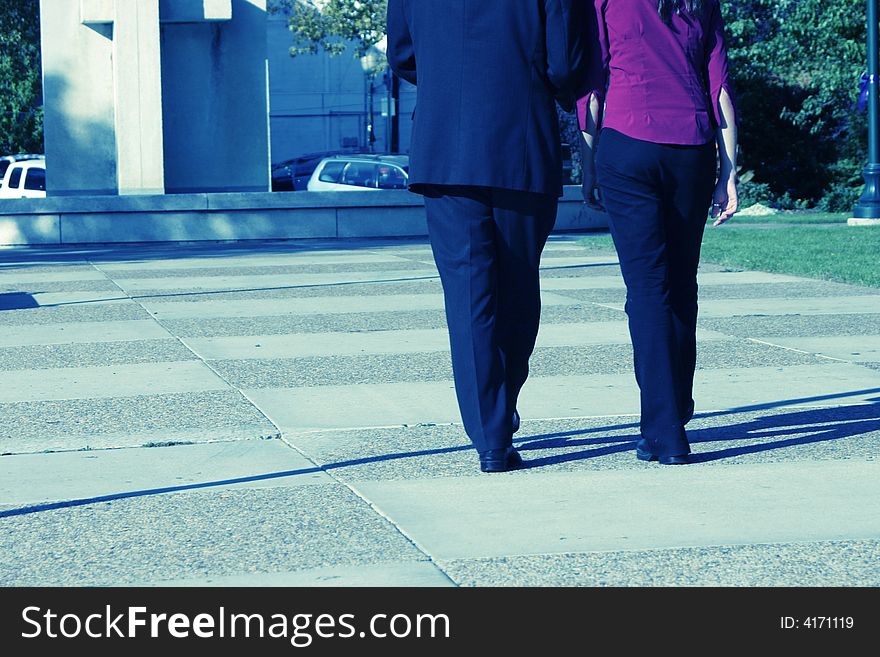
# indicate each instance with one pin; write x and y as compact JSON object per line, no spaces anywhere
{"x":487,"y":73}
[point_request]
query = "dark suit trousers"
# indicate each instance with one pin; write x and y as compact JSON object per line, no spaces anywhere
{"x":658,"y":198}
{"x":487,"y":244}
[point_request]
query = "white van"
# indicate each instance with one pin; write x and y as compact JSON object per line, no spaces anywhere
{"x":25,"y":179}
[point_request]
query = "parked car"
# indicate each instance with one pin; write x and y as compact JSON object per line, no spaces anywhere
{"x":347,"y":173}
{"x":6,"y":160}
{"x":293,"y":175}
{"x":567,"y":165}
{"x":24,"y":179}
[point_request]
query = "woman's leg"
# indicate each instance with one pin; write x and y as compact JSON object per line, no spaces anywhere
{"x":688,"y":179}
{"x":629,"y":178}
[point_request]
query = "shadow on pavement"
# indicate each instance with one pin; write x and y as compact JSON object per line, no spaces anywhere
{"x":17,"y":301}
{"x":801,"y":427}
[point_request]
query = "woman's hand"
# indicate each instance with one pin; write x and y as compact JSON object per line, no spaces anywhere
{"x":725,"y":200}
{"x":588,"y":170}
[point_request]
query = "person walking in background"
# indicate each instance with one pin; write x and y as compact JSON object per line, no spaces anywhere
{"x":486,"y":156}
{"x":661,"y":94}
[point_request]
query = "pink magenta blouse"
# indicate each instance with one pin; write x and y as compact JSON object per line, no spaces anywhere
{"x":659,"y":83}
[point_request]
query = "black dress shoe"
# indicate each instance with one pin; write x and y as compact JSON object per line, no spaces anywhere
{"x":674,"y":459}
{"x":515,"y":424}
{"x":500,"y":460}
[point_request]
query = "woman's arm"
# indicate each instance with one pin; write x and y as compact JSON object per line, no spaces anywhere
{"x":590,"y":132}
{"x":725,"y":201}
{"x":590,"y":107}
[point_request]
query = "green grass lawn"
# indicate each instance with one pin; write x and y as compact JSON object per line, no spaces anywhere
{"x":808,"y":217}
{"x":849,"y":254}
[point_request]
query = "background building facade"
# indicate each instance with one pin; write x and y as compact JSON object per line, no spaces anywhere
{"x":321,"y":103}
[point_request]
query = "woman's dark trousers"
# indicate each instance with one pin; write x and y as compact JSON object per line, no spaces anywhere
{"x":658,"y":197}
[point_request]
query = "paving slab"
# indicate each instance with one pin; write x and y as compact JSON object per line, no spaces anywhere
{"x":77,"y":424}
{"x":857,"y":349}
{"x":306,"y":306}
{"x":470,"y":517}
{"x":795,"y":325}
{"x":577,"y":261}
{"x":395,"y":404}
{"x":61,"y":286}
{"x":396,"y":342}
{"x":704,"y":278}
{"x":869,"y":303}
{"x":33,"y":276}
{"x":590,"y":359}
{"x":109,"y":381}
{"x":198,"y":534}
{"x":268,"y":281}
{"x":372,"y":288}
{"x":27,"y":480}
{"x":824,"y":563}
{"x":399,"y":573}
{"x":78,"y":312}
{"x":360,"y":322}
{"x":725,"y":292}
{"x":289,"y":267}
{"x":255,"y":260}
{"x":82,"y":333}
{"x":56,"y":356}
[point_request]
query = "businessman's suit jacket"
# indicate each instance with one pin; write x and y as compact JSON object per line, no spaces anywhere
{"x":488,"y":72}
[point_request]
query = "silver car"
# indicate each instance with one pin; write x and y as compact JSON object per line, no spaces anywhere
{"x":351,"y":173}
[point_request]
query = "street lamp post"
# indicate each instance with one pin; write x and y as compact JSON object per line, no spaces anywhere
{"x":867,"y":210}
{"x":369,"y":63}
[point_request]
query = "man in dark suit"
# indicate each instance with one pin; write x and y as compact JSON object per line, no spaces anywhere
{"x":486,"y":156}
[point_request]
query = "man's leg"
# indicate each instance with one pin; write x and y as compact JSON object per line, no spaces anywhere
{"x":463,"y":238}
{"x":523,"y":222}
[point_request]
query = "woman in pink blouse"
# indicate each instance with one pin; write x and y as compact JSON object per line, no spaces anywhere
{"x":660,"y":91}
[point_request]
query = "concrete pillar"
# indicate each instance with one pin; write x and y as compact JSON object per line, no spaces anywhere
{"x":144,"y":96}
{"x":138,"y":97}
{"x":214,"y":96}
{"x":78,"y":112}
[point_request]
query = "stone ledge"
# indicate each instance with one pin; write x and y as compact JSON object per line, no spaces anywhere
{"x":235,"y":216}
{"x":102,"y":204}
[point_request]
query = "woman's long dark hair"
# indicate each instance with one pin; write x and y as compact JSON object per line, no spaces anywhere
{"x":669,"y":7}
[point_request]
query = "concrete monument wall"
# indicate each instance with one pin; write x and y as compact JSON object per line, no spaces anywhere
{"x":79,"y":117}
{"x":215,"y":100}
{"x":248,"y":216}
{"x":149,"y":96}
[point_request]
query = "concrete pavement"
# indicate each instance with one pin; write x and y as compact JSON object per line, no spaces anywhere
{"x":283,"y":414}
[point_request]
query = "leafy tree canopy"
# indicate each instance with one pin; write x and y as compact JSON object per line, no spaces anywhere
{"x":21,"y":96}
{"x":334,"y":25}
{"x":797,"y":65}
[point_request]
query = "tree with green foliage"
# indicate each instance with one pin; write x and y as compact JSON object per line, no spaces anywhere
{"x":334,"y":25}
{"x":796,"y":67}
{"x":21,"y":92}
